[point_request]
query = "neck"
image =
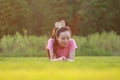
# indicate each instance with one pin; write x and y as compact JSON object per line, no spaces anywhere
{"x":61,"y":47}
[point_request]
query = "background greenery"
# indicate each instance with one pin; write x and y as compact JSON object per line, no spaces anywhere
{"x":26,"y":25}
{"x":38,"y":16}
{"x":105,"y":44}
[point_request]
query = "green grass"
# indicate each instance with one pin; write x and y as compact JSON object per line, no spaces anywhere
{"x":39,"y":68}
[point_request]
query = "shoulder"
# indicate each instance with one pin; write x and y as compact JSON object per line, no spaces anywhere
{"x":73,"y":44}
{"x":72,"y":41}
{"x":50,"y":40}
{"x":50,"y":43}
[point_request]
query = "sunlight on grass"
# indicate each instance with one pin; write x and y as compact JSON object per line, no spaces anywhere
{"x":84,"y":68}
{"x":57,"y":74}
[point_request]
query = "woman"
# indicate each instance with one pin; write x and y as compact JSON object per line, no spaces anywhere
{"x":61,"y":47}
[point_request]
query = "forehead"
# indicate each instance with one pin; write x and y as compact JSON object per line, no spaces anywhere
{"x":65,"y":34}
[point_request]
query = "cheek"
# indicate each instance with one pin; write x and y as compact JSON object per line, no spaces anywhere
{"x":60,"y":41}
{"x":63,"y":41}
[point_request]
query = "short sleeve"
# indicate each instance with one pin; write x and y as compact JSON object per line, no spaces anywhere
{"x":73,"y":44}
{"x":49,"y":45}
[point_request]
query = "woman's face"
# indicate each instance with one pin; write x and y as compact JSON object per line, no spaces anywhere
{"x":64,"y":38}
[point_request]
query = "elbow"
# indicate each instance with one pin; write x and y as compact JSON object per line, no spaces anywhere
{"x":70,"y":60}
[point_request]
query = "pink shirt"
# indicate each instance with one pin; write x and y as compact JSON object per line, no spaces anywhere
{"x":62,"y":52}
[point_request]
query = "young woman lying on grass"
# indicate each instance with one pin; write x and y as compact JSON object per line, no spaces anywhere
{"x":61,"y":47}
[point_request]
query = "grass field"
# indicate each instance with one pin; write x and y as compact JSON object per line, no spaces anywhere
{"x":37,"y":68}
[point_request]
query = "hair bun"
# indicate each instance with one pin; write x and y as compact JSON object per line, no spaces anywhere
{"x":60,"y":24}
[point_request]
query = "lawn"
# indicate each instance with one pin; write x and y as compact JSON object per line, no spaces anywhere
{"x":39,"y":68}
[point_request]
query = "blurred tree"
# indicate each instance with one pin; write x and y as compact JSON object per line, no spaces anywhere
{"x":99,"y":16}
{"x":38,"y":16}
{"x":13,"y":16}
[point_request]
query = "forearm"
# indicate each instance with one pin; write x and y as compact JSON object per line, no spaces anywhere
{"x":62,"y":59}
{"x":57,"y":59}
{"x":71,"y":60}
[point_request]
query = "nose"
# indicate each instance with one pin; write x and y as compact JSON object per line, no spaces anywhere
{"x":66,"y":40}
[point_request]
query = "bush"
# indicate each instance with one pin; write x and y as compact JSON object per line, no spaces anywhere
{"x":19,"y":45}
{"x":105,"y":44}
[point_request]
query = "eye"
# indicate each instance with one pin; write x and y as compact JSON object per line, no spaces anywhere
{"x":68,"y":37}
{"x":63,"y":38}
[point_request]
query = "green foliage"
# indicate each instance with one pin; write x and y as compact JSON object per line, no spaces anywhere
{"x":105,"y":44}
{"x":14,"y":16}
{"x":38,"y":16}
{"x":19,"y":45}
{"x":99,"y":16}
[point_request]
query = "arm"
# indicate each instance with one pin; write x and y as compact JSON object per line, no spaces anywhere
{"x":72,"y":50}
{"x":50,"y":51}
{"x":58,"y":59}
{"x":52,"y":58}
{"x":71,"y":56}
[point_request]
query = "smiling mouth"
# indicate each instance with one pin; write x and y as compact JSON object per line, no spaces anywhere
{"x":65,"y":44}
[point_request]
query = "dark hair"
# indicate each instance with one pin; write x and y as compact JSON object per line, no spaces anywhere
{"x":55,"y":34}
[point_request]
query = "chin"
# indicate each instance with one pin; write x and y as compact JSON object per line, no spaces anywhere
{"x":65,"y":45}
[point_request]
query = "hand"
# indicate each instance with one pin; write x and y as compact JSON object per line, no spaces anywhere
{"x":64,"y":58}
{"x":60,"y":58}
{"x":67,"y":59}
